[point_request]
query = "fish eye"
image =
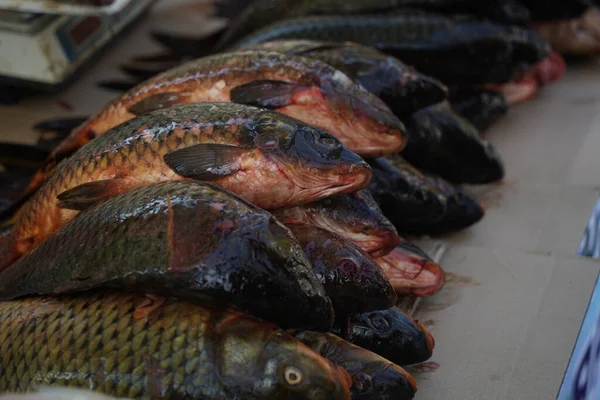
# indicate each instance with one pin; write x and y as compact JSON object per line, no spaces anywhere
{"x":361,"y":382}
{"x":327,"y":141}
{"x":379,"y":323}
{"x":349,"y":267}
{"x":293,"y":376}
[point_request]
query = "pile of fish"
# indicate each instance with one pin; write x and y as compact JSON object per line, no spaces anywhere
{"x":233,"y":225}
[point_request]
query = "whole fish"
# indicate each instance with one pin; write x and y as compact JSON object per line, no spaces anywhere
{"x":352,"y":280}
{"x":412,"y":272}
{"x":125,"y":346}
{"x":481,"y":107}
{"x":264,"y":12}
{"x":265,"y":157}
{"x":404,"y":194}
{"x":403,"y":89}
{"x":303,"y":88}
{"x":355,"y":217}
{"x":445,"y":144}
{"x":186,"y":239}
{"x":454,"y":51}
{"x":373,"y":377}
{"x":391,"y":334}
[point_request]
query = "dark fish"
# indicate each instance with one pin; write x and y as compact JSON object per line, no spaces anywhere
{"x":373,"y":377}
{"x":481,"y":107}
{"x":352,"y":280}
{"x":445,"y":144}
{"x":462,"y":210}
{"x":502,"y":11}
{"x":130,"y":346}
{"x":302,"y":88}
{"x":391,"y":334}
{"x":354,"y":216}
{"x":62,"y":125}
{"x":456,"y":52}
{"x":403,"y":89}
{"x":551,"y":10}
{"x":266,"y":157}
{"x":187,"y":239}
{"x":411,"y":272}
{"x":404,"y":194}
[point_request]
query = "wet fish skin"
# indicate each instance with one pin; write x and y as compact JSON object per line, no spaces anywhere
{"x":481,"y":107}
{"x":550,"y":10}
{"x":404,"y":194}
{"x":445,"y":144}
{"x":391,"y":334}
{"x":187,"y":239}
{"x":455,"y":52}
{"x":174,"y":350}
{"x":252,"y":151}
{"x":352,"y":280}
{"x":373,"y":377}
{"x":412,"y":272}
{"x":403,"y":89}
{"x":462,"y":210}
{"x":354,"y":216}
{"x":314,"y":93}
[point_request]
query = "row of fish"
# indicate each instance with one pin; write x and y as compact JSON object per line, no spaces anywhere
{"x":229,"y":227}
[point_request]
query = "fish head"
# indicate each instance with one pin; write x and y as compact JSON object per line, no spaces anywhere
{"x":373,"y":377}
{"x":352,"y":280}
{"x":318,"y":164}
{"x":393,"y":335}
{"x":412,"y":272}
{"x":382,"y":380}
{"x":354,"y":216}
{"x":286,"y":259}
{"x":291,"y":370}
{"x":362,"y":121}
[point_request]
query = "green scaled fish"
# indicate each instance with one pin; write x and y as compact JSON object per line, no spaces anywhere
{"x":186,"y":239}
{"x":136,"y":347}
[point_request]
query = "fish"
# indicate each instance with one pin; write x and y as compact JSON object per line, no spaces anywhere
{"x":501,"y":11}
{"x":404,"y":194}
{"x":302,"y":88}
{"x":403,"y":89}
{"x":551,"y":10}
{"x":391,"y":334}
{"x":133,"y":346}
{"x":352,"y":280}
{"x":354,"y":216}
{"x":445,"y":144}
{"x":267,"y":158}
{"x":373,"y":377}
{"x":453,"y":51}
{"x":481,"y":107}
{"x":462,"y":210}
{"x":577,"y":36}
{"x":188,"y":239}
{"x":412,"y":272}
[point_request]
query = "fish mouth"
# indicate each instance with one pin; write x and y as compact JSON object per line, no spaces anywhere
{"x":413,"y":276}
{"x":429,"y":339}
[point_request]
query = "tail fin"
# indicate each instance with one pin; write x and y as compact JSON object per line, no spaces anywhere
{"x":196,"y":47}
{"x":60,"y":125}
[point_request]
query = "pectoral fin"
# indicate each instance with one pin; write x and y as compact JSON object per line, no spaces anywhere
{"x":266,"y":93}
{"x":86,"y":195}
{"x":205,"y":162}
{"x":158,"y":101}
